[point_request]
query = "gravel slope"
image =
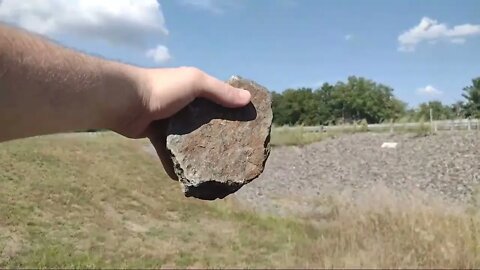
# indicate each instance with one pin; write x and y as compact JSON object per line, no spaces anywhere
{"x":445,"y":165}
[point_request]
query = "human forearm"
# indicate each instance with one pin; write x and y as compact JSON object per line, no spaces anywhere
{"x":45,"y":88}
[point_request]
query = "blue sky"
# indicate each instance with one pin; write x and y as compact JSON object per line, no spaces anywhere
{"x":294,"y":43}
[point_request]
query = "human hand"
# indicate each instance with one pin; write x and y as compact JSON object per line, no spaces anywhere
{"x":164,"y":92}
{"x":47,"y":89}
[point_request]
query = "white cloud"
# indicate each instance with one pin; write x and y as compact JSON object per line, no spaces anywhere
{"x":160,"y":54}
{"x":431,"y":30}
{"x":129,"y":22}
{"x":429,"y":90}
{"x":348,"y":37}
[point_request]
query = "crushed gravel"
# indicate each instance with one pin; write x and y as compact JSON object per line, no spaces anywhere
{"x":445,"y":165}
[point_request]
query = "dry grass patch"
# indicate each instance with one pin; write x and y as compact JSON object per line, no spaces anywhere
{"x":384,"y":229}
{"x":101,"y":201}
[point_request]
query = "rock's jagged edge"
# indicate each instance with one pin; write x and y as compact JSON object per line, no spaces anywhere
{"x":211,"y":189}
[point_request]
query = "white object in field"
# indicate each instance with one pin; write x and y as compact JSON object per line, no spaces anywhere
{"x":389,"y":145}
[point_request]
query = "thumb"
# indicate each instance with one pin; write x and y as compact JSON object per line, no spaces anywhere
{"x":223,"y":93}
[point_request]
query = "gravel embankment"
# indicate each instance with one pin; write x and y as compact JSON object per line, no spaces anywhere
{"x":445,"y":165}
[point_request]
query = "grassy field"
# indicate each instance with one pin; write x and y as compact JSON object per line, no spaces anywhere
{"x":296,"y":136}
{"x":101,"y":201}
{"x":299,"y":136}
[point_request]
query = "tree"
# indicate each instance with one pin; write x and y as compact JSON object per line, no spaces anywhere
{"x":324,"y":104}
{"x":458,"y":110}
{"x":360,"y":98}
{"x":354,"y":100}
{"x":294,"y":106}
{"x":472,"y":95}
{"x":439,"y":111}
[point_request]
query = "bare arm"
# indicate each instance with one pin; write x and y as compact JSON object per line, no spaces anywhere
{"x":45,"y":88}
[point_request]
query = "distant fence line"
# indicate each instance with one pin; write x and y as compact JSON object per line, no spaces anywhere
{"x":459,"y":124}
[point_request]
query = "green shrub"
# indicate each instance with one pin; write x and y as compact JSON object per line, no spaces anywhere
{"x":423,"y":129}
{"x":363,"y":125}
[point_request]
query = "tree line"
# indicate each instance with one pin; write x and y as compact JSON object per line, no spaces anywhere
{"x":360,"y":99}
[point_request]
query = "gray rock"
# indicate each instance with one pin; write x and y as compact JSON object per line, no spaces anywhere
{"x":216,"y":150}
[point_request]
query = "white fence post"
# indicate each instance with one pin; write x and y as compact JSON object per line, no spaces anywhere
{"x":431,"y":121}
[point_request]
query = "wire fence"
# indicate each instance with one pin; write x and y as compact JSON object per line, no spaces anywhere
{"x":438,"y":125}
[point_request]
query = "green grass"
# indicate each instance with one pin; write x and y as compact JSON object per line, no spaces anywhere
{"x":299,"y":136}
{"x":295,"y":136}
{"x":101,"y":201}
{"x":80,"y":201}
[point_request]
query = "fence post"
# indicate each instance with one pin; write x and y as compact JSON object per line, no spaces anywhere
{"x":431,"y":121}
{"x":468,"y":124}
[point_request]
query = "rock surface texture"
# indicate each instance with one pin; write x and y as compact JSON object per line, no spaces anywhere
{"x":216,"y":150}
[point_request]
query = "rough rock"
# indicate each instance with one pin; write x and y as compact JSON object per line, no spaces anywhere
{"x":216,"y":150}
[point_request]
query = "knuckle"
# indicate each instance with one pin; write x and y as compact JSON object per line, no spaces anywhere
{"x":192,"y":73}
{"x":196,"y":79}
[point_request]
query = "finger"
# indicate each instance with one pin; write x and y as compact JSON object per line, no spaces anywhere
{"x":156,"y":134}
{"x":223,"y":93}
